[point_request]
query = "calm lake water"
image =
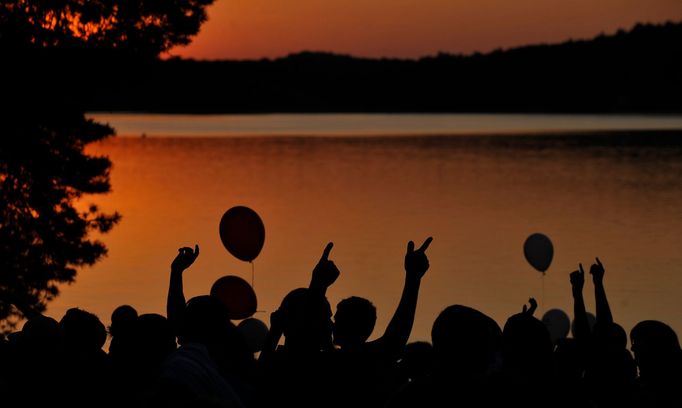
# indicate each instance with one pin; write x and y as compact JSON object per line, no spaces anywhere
{"x":479,"y":184}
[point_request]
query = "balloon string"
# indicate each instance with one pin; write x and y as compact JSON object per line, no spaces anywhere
{"x":253,"y":283}
{"x":543,"y":291}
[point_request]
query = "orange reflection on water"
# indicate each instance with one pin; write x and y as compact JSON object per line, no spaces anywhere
{"x":478,"y":197}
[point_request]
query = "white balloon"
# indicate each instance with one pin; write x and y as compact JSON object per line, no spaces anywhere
{"x":254,"y":332}
{"x":558,"y":323}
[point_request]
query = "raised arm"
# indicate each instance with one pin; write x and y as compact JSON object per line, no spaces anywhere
{"x":582,"y":328}
{"x":325,"y":273}
{"x":399,"y":328}
{"x":175,"y":304}
{"x":603,"y":310}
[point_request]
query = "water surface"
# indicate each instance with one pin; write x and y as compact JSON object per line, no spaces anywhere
{"x":612,"y":195}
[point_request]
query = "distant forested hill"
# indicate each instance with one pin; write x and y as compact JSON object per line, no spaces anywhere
{"x":637,"y":70}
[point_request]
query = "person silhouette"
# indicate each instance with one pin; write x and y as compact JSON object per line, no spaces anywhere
{"x":86,"y":366}
{"x":528,"y":376}
{"x":467,"y":347}
{"x":213,"y":360}
{"x":175,"y":302}
{"x":295,"y":372}
{"x":34,"y":364}
{"x":123,"y":321}
{"x":362,"y":369}
{"x":195,"y":373}
{"x":659,"y":358}
{"x":610,"y":371}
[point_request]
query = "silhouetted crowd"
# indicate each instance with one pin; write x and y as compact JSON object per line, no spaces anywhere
{"x":197,"y":357}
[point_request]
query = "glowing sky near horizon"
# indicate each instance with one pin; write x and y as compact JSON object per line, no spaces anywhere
{"x":248,"y":29}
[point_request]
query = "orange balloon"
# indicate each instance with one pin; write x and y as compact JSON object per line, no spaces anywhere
{"x":237,"y":296}
{"x":242,"y":233}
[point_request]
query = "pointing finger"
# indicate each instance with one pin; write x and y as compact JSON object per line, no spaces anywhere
{"x":599,"y":262}
{"x":327,"y":250}
{"x":582,"y":271}
{"x":426,"y":244}
{"x":410,"y":247}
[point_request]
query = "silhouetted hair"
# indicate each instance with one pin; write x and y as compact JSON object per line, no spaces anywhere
{"x":83,"y":330}
{"x":656,"y":348}
{"x":205,"y":321}
{"x":654,"y":334}
{"x":610,"y":335}
{"x":354,"y":321}
{"x":527,"y":346}
{"x":465,"y":340}
{"x":307,"y":320}
{"x":122,"y":319}
{"x":41,"y":332}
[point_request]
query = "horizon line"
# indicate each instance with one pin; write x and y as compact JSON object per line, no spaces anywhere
{"x":620,"y":31}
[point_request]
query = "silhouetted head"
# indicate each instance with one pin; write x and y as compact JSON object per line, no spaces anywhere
{"x":558,"y":324}
{"x":306,"y":319}
{"x":465,"y":341}
{"x":154,"y":338}
{"x":656,"y":348}
{"x":205,"y":321}
{"x":41,"y":334}
{"x":83,"y":331}
{"x":354,"y":321}
{"x":122,"y":319}
{"x":610,"y":336}
{"x":527,"y":347}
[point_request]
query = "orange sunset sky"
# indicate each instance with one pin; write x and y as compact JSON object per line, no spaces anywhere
{"x":247,"y":29}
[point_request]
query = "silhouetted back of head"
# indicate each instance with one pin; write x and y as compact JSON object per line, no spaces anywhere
{"x":610,"y":336}
{"x":122,"y":319}
{"x":83,"y":331}
{"x":154,"y":338}
{"x":306,"y":318}
{"x":205,"y":321}
{"x":41,"y":333}
{"x":656,"y":348}
{"x":354,"y":321}
{"x":465,"y":340}
{"x":527,"y":346}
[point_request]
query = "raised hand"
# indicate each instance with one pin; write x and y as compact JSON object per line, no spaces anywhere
{"x":597,"y":271}
{"x":416,"y":262}
{"x":578,"y":279}
{"x":325,"y":272}
{"x":533,"y":307}
{"x":185,"y":258}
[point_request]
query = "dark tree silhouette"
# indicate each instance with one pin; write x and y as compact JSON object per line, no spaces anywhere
{"x":43,"y":235}
{"x":143,"y":26}
{"x":52,"y":52}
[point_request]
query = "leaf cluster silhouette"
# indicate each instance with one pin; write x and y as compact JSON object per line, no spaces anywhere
{"x":53,"y":53}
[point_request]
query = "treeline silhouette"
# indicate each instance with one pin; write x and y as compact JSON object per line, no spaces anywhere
{"x":326,"y":359}
{"x":635,"y":71}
